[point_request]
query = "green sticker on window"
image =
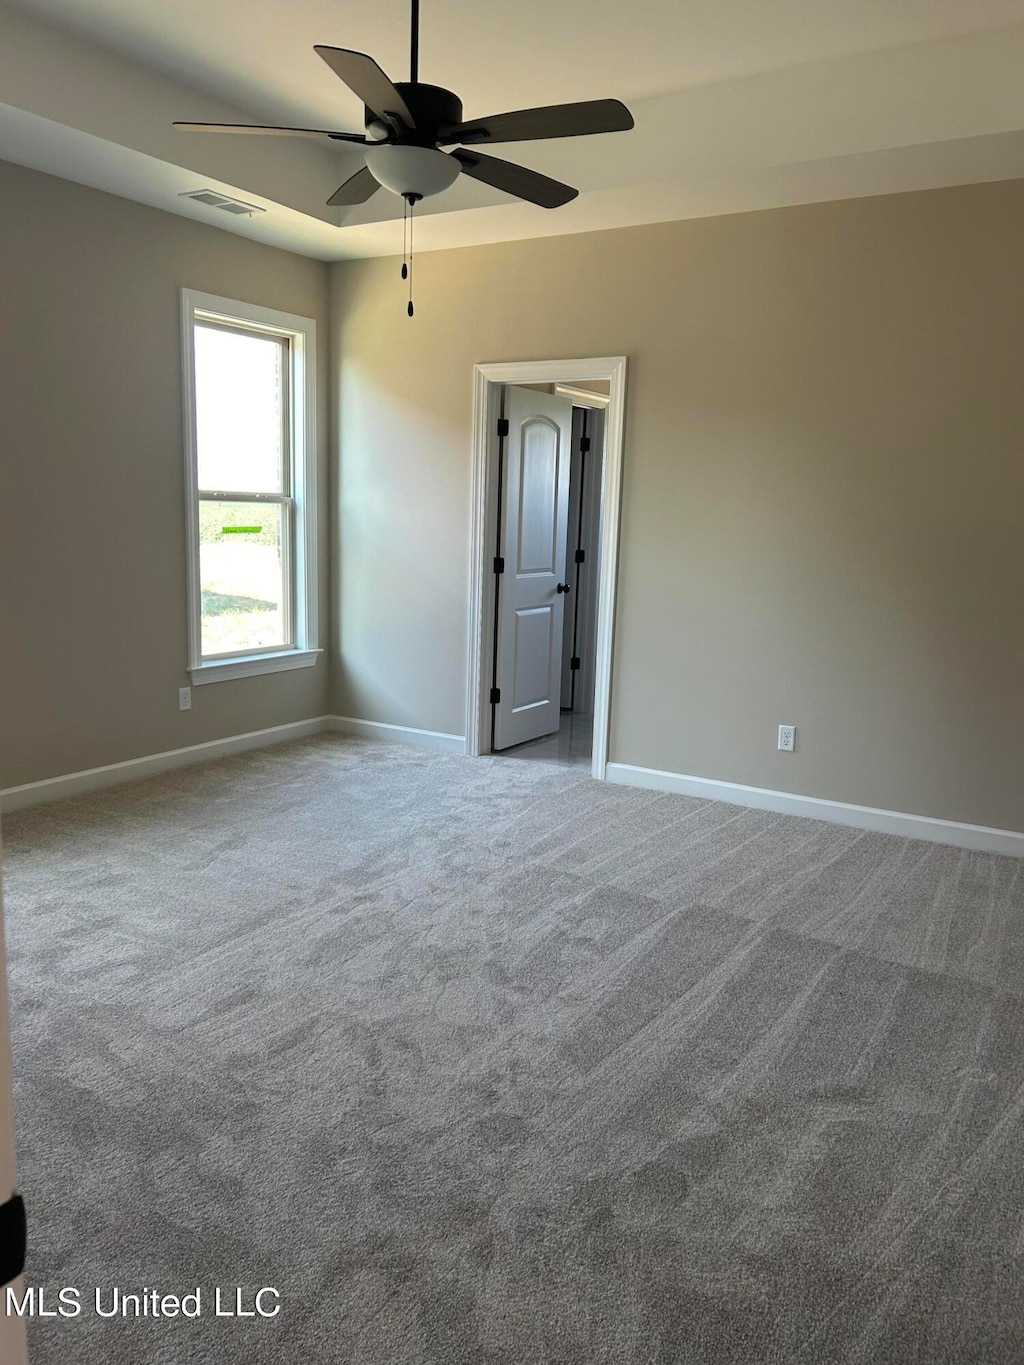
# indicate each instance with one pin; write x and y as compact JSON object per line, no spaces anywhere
{"x":240,"y":530}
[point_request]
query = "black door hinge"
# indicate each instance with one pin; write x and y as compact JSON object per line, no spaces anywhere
{"x":584,"y":444}
{"x":499,"y":564}
{"x":580,"y":555}
{"x":495,"y":696}
{"x":574,"y":663}
{"x":12,"y":1239}
{"x":502,"y":426}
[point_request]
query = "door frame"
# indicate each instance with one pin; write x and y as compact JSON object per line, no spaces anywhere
{"x":487,"y":386}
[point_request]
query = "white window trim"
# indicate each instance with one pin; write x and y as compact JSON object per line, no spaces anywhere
{"x":302,"y":351}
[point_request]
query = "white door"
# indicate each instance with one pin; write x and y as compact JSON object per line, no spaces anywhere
{"x":532,"y":589}
{"x":12,"y":1327}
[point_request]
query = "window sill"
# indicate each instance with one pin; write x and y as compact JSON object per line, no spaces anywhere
{"x":248,"y":666}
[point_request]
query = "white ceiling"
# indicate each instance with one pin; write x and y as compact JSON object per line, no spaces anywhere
{"x":738,"y":103}
{"x":259,"y":53}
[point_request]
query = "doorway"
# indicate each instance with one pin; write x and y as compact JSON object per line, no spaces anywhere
{"x":547,"y":475}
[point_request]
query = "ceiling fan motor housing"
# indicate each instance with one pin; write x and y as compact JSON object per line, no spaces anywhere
{"x":409,"y":163}
{"x":432,"y":108}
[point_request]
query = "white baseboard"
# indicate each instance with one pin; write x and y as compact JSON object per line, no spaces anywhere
{"x":817,"y":808}
{"x":981,"y":837}
{"x":91,"y":779}
{"x":398,"y":734}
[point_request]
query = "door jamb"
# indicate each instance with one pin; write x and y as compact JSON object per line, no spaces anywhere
{"x":488,"y":380}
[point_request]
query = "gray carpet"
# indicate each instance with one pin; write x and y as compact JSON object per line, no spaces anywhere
{"x":487,"y":1062}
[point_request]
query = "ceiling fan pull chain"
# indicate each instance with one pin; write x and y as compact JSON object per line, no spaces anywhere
{"x":412,"y":204}
{"x":411,"y":200}
{"x":405,"y":238}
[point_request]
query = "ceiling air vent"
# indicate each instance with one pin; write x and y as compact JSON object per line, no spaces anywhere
{"x":221,"y":201}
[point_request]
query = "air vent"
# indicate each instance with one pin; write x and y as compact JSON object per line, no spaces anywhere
{"x":221,"y":201}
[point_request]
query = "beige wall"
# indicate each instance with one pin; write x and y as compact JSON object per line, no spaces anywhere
{"x":92,"y":533}
{"x":823,"y":509}
{"x":823,"y":496}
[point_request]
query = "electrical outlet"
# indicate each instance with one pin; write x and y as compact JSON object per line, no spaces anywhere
{"x":787,"y":738}
{"x":185,"y":699}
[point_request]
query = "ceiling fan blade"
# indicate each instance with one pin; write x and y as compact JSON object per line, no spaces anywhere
{"x":364,"y":78}
{"x":356,"y":189}
{"x":517,"y":180}
{"x":318,"y":134}
{"x":554,"y":120}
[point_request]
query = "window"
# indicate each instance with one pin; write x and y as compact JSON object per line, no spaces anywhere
{"x":250,"y":476}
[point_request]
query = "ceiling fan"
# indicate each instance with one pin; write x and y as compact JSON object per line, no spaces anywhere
{"x":408,"y":122}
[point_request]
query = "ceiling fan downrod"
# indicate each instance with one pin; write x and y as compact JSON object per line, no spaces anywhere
{"x":414,"y":62}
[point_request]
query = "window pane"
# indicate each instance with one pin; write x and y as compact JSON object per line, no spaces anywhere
{"x":242,"y":576}
{"x":240,"y":411}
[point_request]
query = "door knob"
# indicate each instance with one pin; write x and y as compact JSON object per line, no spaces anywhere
{"x":563,"y":587}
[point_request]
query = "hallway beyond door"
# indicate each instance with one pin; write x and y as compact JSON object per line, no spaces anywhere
{"x":571,"y":744}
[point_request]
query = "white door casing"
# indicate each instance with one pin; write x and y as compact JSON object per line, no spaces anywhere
{"x":488,"y":381}
{"x":531,"y":604}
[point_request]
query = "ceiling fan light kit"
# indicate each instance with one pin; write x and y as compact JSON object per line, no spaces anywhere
{"x":418,"y":171}
{"x":407,"y":124}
